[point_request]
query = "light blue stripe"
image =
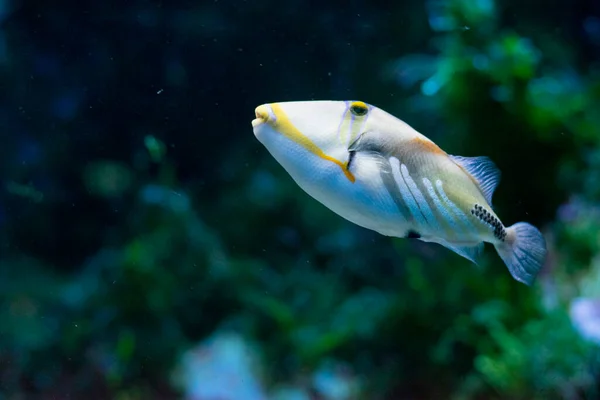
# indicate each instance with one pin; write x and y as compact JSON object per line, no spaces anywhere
{"x":462,"y":217}
{"x":441,"y":208}
{"x":405,"y":193}
{"x":422,"y":203}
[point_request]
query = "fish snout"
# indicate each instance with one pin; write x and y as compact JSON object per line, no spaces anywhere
{"x":264,"y":115}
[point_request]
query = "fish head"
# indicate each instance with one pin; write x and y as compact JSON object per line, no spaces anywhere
{"x":334,"y":150}
{"x":313,"y":138}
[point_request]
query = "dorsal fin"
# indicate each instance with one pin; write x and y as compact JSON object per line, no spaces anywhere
{"x":484,"y":171}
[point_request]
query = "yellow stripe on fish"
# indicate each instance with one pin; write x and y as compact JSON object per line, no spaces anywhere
{"x":279,"y":120}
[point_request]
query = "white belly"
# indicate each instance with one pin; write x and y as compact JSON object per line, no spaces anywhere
{"x":366,"y":202}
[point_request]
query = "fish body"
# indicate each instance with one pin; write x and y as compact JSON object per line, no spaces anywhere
{"x":376,"y":171}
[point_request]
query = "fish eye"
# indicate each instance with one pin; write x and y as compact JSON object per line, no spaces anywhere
{"x":359,"y":108}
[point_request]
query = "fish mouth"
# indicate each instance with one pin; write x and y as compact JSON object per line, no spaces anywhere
{"x":263,"y":115}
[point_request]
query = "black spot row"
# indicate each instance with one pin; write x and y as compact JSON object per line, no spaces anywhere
{"x":485,"y":216}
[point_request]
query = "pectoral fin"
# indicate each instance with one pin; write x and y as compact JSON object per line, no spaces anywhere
{"x":366,"y":141}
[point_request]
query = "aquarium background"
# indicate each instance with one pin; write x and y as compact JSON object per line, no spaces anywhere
{"x":151,"y":248}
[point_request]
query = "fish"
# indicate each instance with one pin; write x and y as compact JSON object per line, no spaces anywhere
{"x":376,"y":171}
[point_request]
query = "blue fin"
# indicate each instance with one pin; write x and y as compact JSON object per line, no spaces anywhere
{"x":484,"y":171}
{"x":470,"y":251}
{"x":524,"y":251}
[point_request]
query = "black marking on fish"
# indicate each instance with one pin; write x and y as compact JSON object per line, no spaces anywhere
{"x":486,"y":217}
{"x":350,"y":159}
{"x":413,"y":235}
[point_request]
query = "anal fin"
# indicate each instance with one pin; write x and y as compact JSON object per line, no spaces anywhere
{"x":471,"y":251}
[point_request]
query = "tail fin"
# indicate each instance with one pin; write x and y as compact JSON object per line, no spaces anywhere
{"x":523,"y":251}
